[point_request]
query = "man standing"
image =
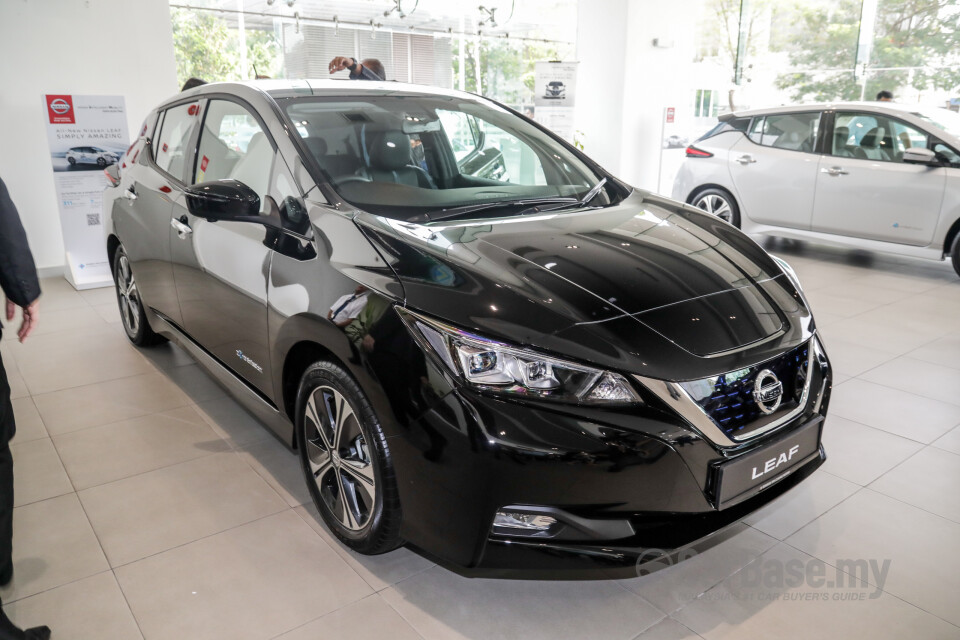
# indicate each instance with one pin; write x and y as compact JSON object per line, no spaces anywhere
{"x":18,"y":278}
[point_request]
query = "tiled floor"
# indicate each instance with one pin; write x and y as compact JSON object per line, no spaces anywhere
{"x":149,"y":505}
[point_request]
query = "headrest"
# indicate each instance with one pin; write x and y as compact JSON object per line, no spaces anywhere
{"x":389,"y":150}
{"x":873,"y":137}
{"x":256,"y":140}
{"x":317,"y":146}
{"x":842,"y":133}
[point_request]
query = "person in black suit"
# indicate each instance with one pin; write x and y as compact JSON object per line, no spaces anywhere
{"x":21,"y":288}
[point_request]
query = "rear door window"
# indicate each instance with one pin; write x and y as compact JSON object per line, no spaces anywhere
{"x":791,"y":131}
{"x":170,"y":151}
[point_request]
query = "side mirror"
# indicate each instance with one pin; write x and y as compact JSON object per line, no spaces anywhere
{"x":222,"y":200}
{"x":919,"y":155}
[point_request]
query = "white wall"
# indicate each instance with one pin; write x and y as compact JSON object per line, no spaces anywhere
{"x":601,"y":45}
{"x":101,"y":47}
{"x":625,"y":82}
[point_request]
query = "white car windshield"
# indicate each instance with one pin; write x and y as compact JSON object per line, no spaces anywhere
{"x":409,"y":155}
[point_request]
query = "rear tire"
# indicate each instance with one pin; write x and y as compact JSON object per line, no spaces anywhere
{"x":132,"y":313}
{"x":72,"y":160}
{"x":346,"y":460}
{"x":718,"y":202}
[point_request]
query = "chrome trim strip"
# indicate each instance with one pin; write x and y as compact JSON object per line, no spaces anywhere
{"x":676,"y":397}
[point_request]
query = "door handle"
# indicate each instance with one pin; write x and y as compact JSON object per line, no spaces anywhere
{"x":183,"y":229}
{"x":835,"y":171}
{"x":130,"y":194}
{"x":746,"y":159}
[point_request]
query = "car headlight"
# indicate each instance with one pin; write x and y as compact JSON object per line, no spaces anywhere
{"x":497,"y":367}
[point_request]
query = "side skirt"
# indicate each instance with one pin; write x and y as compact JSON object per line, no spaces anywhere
{"x":251,"y":399}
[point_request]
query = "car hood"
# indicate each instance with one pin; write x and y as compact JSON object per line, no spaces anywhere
{"x":648,"y":276}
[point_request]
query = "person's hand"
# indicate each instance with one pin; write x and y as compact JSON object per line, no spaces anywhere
{"x":30,"y":313}
{"x":340,"y":63}
{"x":368,"y":342}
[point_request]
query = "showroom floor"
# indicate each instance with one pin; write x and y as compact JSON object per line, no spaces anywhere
{"x":150,"y":505}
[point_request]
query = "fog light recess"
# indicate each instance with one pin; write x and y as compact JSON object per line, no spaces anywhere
{"x":528,"y":525}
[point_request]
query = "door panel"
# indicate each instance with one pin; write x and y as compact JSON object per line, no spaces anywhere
{"x":864,"y":190}
{"x":221,"y":271}
{"x":775,"y":169}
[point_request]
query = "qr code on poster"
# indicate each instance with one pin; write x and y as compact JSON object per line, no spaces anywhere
{"x":93,"y":219}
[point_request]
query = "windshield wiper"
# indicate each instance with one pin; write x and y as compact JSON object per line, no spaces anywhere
{"x":590,"y":195}
{"x":582,"y":202}
{"x":459,"y":212}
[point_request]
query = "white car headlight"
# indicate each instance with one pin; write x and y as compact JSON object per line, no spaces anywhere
{"x":493,"y":366}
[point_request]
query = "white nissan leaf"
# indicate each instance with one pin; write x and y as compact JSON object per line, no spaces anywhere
{"x":875,"y":176}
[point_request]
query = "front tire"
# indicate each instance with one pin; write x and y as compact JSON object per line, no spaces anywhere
{"x":719,"y":203}
{"x":101,"y":162}
{"x":346,"y":461}
{"x":955,"y":256}
{"x":132,"y":313}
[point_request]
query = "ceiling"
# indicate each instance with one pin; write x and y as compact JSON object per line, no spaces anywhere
{"x":553,"y":20}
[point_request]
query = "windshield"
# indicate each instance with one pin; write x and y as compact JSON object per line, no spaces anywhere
{"x":416,"y":155}
{"x":947,"y":120}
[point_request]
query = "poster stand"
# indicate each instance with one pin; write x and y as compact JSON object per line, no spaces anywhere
{"x":86,"y":134}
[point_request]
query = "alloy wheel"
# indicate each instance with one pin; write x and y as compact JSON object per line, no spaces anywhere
{"x":716,"y":205}
{"x":339,"y":458}
{"x":129,"y":296}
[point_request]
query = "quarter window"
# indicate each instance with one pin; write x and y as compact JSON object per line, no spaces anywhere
{"x":234,"y":146}
{"x":171,"y":148}
{"x":869,"y":136}
{"x":792,"y":131}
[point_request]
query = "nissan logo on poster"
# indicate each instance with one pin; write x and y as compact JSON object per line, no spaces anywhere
{"x":60,"y":109}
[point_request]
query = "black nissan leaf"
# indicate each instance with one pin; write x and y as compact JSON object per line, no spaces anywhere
{"x":476,"y":340}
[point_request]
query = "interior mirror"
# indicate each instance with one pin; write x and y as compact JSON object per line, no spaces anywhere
{"x":222,"y":200}
{"x":419,"y":124}
{"x":919,"y":155}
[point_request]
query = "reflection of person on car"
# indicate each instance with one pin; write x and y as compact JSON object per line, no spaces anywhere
{"x":358,"y":330}
{"x":348,"y":307}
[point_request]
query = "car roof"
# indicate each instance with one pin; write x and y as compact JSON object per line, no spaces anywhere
{"x":890,"y":108}
{"x":320,"y":86}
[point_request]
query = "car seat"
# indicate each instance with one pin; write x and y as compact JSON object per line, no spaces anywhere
{"x":336,"y":165}
{"x":391,"y":161}
{"x":870,"y":148}
{"x":840,"y":137}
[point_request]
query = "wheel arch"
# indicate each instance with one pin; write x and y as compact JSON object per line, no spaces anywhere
{"x":113,"y":243}
{"x":300,"y":356}
{"x":953,"y":236}
{"x":710,"y":185}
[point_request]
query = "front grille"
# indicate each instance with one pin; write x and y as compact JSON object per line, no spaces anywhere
{"x":728,"y":399}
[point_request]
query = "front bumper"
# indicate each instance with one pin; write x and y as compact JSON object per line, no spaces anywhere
{"x":470,"y":455}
